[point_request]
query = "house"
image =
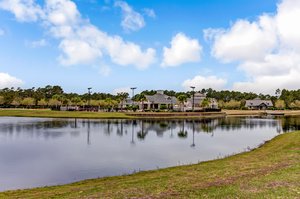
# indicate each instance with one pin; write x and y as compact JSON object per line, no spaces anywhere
{"x":159,"y":101}
{"x":258,"y":104}
{"x":198,"y":98}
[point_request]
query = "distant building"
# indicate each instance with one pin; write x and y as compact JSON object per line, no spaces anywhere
{"x":258,"y":104}
{"x":198,"y":98}
{"x":159,"y":100}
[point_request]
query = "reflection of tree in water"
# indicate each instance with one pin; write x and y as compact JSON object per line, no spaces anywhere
{"x":45,"y":129}
{"x":140,"y":129}
{"x":142,"y":133}
{"x":182,"y":133}
{"x":290,"y":123}
{"x":160,"y":127}
{"x":120,"y":129}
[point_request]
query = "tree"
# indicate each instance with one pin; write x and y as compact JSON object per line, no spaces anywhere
{"x":16,"y":102}
{"x":182,"y":99}
{"x":278,"y":93}
{"x":141,"y":98}
{"x":295,"y":104}
{"x":232,"y":104}
{"x":205,"y":103}
{"x":42,"y":103}
{"x":280,"y":104}
{"x":54,"y":103}
{"x":122,"y":96}
{"x":1,"y":100}
{"x":75,"y":100}
{"x":28,"y":102}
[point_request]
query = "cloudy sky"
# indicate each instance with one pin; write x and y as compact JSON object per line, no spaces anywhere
{"x":111,"y":45}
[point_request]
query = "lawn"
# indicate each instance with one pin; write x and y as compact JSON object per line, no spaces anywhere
{"x":61,"y":114}
{"x":270,"y":171}
{"x":105,"y":115}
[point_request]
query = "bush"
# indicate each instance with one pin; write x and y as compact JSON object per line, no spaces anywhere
{"x":280,"y":104}
{"x":163,"y":107}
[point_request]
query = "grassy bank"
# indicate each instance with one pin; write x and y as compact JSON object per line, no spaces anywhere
{"x":270,"y":171}
{"x":105,"y":115}
{"x":62,"y":114}
{"x":239,"y":113}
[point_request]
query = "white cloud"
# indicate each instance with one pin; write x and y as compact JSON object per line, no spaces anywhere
{"x":183,"y":50}
{"x":80,"y":41}
{"x":121,"y":90}
{"x":7,"y":81}
{"x":131,"y":20}
{"x":149,"y":12}
{"x":2,"y":32}
{"x":78,"y":52}
{"x":62,"y":12}
{"x":201,"y":82}
{"x":24,"y":10}
{"x":266,"y":49}
{"x":37,"y":43}
{"x":268,"y":84}
{"x":244,"y":40}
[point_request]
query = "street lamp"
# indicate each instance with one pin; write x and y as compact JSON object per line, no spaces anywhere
{"x":133,"y":88}
{"x":193,"y":106}
{"x":89,"y":100}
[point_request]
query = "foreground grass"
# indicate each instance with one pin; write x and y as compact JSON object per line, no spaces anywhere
{"x":270,"y":171}
{"x":62,"y":114}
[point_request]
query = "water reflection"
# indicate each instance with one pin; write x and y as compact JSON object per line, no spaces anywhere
{"x":41,"y":151}
{"x":55,"y":128}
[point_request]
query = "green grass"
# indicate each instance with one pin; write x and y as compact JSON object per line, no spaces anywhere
{"x":271,"y":171}
{"x":101,"y":115}
{"x":62,"y":114}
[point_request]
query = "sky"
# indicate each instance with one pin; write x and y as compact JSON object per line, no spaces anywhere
{"x":112,"y":45}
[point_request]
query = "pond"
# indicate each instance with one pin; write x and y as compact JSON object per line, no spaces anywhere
{"x":42,"y":151}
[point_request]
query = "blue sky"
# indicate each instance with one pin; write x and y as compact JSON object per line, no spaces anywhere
{"x":113,"y":45}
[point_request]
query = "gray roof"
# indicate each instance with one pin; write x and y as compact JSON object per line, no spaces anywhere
{"x":159,"y":98}
{"x":258,"y":102}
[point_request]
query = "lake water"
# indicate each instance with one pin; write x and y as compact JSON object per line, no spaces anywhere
{"x":41,"y":151}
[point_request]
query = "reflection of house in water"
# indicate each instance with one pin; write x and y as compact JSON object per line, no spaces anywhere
{"x":160,"y":128}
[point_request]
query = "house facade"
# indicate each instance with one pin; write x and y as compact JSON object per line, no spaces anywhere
{"x":198,"y":99}
{"x":159,"y":101}
{"x":258,"y":104}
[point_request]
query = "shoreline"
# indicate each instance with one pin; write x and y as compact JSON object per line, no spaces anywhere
{"x":276,"y":161}
{"x":47,"y":113}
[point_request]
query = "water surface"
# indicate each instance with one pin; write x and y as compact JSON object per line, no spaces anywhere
{"x":40,"y":151}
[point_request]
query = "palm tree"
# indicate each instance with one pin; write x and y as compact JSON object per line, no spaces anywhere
{"x":122,"y":96}
{"x":142,"y":98}
{"x":182,"y":98}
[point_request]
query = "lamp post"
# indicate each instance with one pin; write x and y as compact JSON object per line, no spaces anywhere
{"x":133,"y":88}
{"x":193,"y":106}
{"x":89,"y":100}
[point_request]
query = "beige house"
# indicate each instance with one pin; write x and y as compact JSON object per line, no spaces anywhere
{"x":198,"y":98}
{"x":159,"y":101}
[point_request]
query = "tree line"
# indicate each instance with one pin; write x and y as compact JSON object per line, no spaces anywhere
{"x":55,"y":96}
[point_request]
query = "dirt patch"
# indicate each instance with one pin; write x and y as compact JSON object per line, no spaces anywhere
{"x":246,"y":175}
{"x":277,"y":184}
